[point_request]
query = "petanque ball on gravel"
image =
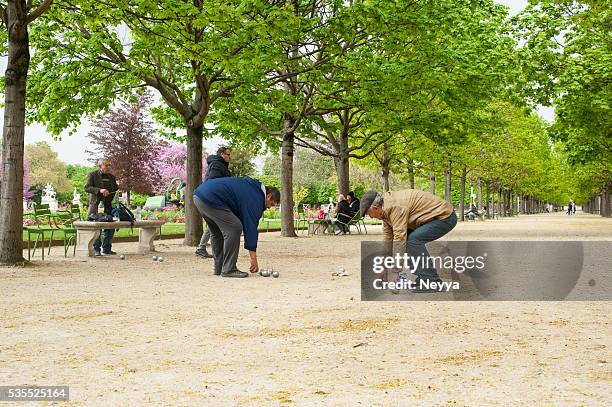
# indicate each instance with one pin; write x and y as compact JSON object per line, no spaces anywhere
{"x":122,"y":257}
{"x":160,"y":259}
{"x":275,"y":274}
{"x":154,"y":258}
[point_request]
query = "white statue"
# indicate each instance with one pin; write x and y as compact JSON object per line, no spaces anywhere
{"x":472,"y":197}
{"x":76,"y":198}
{"x":48,"y":197}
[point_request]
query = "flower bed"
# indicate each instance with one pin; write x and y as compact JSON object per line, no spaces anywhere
{"x":169,"y":213}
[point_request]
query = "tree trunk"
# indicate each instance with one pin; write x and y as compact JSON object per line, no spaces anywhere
{"x":341,"y":162}
{"x":488,"y":204}
{"x":587,"y":206}
{"x":499,"y":202}
{"x":479,"y":192}
{"x":447,"y":182}
{"x":11,"y":191}
{"x":432,"y":183}
{"x":287,"y":227}
{"x":385,"y":178}
{"x":410,"y":173}
{"x":193,"y":219}
{"x":384,"y":164}
{"x":462,"y":202}
{"x":605,"y":202}
{"x":507,"y":203}
{"x":129,"y":198}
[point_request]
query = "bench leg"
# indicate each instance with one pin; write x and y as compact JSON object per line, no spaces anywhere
{"x":146,"y":240}
{"x":85,"y":239}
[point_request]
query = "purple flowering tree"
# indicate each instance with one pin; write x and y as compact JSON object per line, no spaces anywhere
{"x":171,"y":163}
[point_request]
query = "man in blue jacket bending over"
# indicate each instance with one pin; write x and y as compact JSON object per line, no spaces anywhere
{"x":230,"y":206}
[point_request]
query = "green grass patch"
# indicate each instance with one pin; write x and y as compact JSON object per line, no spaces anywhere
{"x":171,"y":229}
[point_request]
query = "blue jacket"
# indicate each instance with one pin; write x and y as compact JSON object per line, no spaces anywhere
{"x":243,"y":196}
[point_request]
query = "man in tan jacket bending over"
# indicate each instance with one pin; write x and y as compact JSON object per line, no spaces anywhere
{"x":414,"y":217}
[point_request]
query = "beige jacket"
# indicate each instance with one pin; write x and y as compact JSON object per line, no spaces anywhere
{"x":409,"y":209}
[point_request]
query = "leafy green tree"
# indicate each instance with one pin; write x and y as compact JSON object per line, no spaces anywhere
{"x":46,"y":168}
{"x":192,"y":52}
{"x":17,"y":17}
{"x":570,"y":41}
{"x":313,"y":36}
{"x":241,"y":164}
{"x":77,"y":175}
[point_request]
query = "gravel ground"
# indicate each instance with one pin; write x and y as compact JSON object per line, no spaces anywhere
{"x":136,"y":332}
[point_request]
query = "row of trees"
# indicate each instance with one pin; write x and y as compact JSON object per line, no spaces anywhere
{"x":419,"y":86}
{"x":567,"y":59}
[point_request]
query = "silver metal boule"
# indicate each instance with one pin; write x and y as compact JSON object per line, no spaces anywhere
{"x":154,"y":258}
{"x":160,"y":259}
{"x":275,"y":274}
{"x":122,"y":257}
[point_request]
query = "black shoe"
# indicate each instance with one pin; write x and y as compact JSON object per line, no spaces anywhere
{"x":97,"y":253}
{"x":203,"y":254}
{"x":235,"y":274}
{"x":109,"y":253}
{"x":217,"y":273}
{"x":424,"y":286}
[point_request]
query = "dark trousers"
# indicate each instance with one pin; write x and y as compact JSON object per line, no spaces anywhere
{"x":106,"y":242}
{"x":225,"y":230}
{"x":204,"y":240}
{"x":428,"y":232}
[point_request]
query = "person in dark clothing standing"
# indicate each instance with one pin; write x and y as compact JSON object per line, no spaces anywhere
{"x":231,"y":206}
{"x":218,"y":167}
{"x":102,"y":186}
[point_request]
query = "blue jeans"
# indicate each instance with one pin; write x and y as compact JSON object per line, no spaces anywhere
{"x":106,"y":243}
{"x":428,"y":232}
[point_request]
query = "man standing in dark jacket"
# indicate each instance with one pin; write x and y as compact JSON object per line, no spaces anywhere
{"x":217,"y":168}
{"x":102,"y":186}
{"x":230,"y":206}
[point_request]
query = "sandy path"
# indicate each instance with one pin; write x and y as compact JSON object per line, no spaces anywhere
{"x":135,"y":332}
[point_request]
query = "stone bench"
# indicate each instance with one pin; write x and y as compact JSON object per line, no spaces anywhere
{"x":88,"y":232}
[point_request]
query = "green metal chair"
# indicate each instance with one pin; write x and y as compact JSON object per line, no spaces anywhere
{"x":43,"y":221}
{"x":354,"y":221}
{"x":299,"y":219}
{"x":65,"y":223}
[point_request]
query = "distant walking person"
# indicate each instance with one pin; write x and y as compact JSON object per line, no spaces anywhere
{"x":218,"y":167}
{"x":573,"y":207}
{"x":569,"y":208}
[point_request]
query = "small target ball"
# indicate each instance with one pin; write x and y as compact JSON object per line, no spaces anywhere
{"x":275,"y":274}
